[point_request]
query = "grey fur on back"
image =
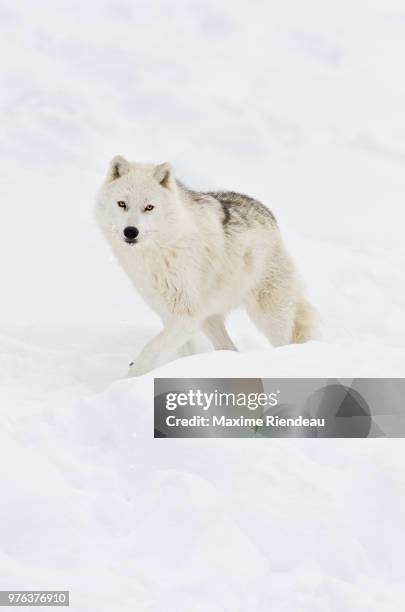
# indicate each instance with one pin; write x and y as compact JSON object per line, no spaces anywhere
{"x":238,"y":209}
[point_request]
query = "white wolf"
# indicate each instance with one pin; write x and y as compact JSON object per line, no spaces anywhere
{"x":195,"y":256}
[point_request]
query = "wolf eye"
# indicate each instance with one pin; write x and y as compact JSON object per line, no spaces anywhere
{"x":122,"y":204}
{"x":148,"y":208}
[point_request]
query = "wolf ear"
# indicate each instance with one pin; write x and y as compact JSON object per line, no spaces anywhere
{"x":118,"y":167}
{"x":164,"y":175}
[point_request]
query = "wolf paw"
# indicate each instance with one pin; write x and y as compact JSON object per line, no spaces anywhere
{"x":137,"y":368}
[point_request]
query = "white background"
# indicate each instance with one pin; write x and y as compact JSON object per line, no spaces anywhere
{"x":300,"y":104}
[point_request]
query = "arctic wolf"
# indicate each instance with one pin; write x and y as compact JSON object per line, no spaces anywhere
{"x":195,"y":256}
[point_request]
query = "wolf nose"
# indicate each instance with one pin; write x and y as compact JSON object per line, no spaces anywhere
{"x":131,"y":232}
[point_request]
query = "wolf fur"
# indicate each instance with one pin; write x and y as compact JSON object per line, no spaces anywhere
{"x":197,"y":256}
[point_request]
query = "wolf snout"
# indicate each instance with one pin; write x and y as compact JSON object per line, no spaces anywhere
{"x":131,"y":233}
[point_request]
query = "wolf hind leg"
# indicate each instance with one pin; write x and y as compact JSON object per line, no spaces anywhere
{"x":281,"y":319}
{"x":215,"y":330}
{"x":273,"y":316}
{"x":306,"y":325}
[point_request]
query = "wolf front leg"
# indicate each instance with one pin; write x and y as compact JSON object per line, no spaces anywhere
{"x":177,"y":331}
{"x":214,"y":328}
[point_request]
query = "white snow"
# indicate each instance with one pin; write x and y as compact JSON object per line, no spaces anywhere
{"x":300,"y":104}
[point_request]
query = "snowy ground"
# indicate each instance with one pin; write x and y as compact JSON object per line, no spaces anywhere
{"x":298,"y":104}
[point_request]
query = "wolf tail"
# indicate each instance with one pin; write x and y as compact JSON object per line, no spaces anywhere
{"x":306,"y":323}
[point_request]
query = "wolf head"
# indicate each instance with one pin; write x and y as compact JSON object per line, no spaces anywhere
{"x":138,"y":203}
